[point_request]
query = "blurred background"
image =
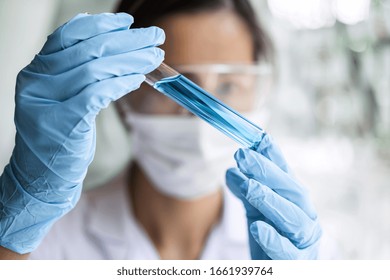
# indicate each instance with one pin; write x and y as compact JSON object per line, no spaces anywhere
{"x":329,"y":109}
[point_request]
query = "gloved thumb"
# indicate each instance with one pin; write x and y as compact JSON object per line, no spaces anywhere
{"x":276,"y":246}
{"x":237,"y":183}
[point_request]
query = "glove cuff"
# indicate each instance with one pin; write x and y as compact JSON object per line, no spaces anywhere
{"x":25,"y":220}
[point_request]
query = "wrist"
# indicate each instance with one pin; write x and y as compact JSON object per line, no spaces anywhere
{"x":24,"y":219}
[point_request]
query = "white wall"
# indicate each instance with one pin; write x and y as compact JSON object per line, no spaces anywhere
{"x":24,"y":25}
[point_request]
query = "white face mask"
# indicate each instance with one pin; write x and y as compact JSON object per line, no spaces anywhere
{"x":183,"y":156}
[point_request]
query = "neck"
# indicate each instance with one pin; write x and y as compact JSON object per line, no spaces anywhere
{"x":178,"y":228}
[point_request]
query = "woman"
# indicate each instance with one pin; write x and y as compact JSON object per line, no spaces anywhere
{"x":170,"y":203}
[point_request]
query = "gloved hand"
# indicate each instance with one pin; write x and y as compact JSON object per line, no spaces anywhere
{"x":84,"y":65}
{"x":282,"y":222}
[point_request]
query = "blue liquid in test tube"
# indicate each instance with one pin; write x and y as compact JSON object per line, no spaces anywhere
{"x":202,"y":104}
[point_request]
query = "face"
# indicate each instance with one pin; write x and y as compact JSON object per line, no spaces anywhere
{"x":201,"y":39}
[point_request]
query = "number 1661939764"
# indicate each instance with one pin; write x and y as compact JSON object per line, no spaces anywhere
{"x":241,"y":270}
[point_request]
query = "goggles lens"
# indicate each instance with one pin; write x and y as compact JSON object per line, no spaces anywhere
{"x":242,"y":87}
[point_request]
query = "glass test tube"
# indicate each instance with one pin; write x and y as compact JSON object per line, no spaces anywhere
{"x":202,"y":104}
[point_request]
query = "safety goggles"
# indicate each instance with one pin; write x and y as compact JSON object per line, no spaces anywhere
{"x":240,"y":86}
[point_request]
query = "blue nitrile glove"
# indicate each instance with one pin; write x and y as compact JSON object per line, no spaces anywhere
{"x":281,"y":219}
{"x":84,"y":65}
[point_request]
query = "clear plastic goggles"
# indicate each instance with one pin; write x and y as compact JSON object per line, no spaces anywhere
{"x":242,"y":87}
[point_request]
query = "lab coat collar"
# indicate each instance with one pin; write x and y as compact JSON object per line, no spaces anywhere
{"x":113,"y":225}
{"x":229,"y":238}
{"x":234,"y":217}
{"x":107,"y":222}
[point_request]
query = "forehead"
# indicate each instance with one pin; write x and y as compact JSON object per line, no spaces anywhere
{"x":206,"y":37}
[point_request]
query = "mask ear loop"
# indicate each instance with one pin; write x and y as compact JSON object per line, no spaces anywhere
{"x":265,"y":85}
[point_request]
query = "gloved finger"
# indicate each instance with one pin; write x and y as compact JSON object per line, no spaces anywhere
{"x":285,"y":215}
{"x":234,"y":180}
{"x":136,"y":62}
{"x":85,"y":26}
{"x":103,"y":45}
{"x":141,"y":61}
{"x":270,"y":150}
{"x":258,"y":167}
{"x":278,"y":247}
{"x":99,"y":95}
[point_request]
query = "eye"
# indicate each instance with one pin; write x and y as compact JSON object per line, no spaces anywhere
{"x":226,"y":88}
{"x":193,"y":77}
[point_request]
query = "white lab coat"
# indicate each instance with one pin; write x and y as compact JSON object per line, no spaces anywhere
{"x":102,"y":227}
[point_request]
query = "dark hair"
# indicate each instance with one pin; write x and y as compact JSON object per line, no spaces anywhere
{"x":148,"y":12}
